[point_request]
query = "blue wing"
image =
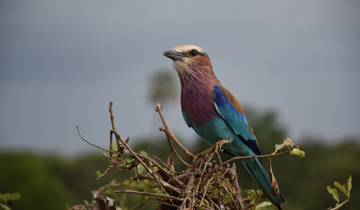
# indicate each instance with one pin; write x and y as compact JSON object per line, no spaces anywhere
{"x":232,"y":116}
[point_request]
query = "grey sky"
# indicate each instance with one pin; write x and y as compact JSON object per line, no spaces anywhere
{"x":61,"y":61}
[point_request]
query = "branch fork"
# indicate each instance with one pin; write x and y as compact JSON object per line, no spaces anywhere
{"x":207,"y":182}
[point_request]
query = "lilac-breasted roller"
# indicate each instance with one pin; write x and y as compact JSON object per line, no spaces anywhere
{"x":215,"y":114}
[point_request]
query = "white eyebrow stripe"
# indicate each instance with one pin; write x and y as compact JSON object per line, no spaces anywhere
{"x":187,"y":48}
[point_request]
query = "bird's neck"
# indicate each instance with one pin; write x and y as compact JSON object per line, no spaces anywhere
{"x":197,"y":79}
{"x":196,"y":96}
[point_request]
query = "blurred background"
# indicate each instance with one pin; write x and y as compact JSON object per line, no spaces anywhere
{"x":294,"y":64}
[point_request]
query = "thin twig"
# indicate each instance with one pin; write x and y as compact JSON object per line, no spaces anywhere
{"x":235,"y":183}
{"x":110,"y":144}
{"x":173,"y":150}
{"x":171,"y":134}
{"x":202,"y":184}
{"x":217,"y":207}
{"x":139,"y":160}
{"x":161,"y":162}
{"x":205,"y":190}
{"x":151,"y":160}
{"x":134,"y":154}
{"x":254,"y":156}
{"x":154,"y":195}
{"x":202,"y":173}
{"x":88,"y":142}
{"x":113,"y":127}
{"x":338,"y":206}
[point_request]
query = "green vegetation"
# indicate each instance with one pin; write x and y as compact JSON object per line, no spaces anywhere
{"x":5,"y":198}
{"x":345,"y":190}
{"x":55,"y":182}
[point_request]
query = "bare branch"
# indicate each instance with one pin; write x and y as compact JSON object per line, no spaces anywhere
{"x":154,"y":195}
{"x":255,"y":156}
{"x":338,"y":206}
{"x":171,"y":134}
{"x":118,"y":138}
{"x":207,"y":182}
{"x":88,"y":142}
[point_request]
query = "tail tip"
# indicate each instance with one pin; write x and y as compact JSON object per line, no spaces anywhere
{"x":281,"y":203}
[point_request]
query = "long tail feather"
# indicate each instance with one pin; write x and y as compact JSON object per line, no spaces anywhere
{"x":257,"y":170}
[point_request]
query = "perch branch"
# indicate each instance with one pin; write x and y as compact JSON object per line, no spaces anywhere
{"x":171,"y":134}
{"x":207,"y":182}
{"x":119,"y":139}
{"x":338,"y":206}
{"x":113,"y":127}
{"x":155,"y":195}
{"x":255,"y":156}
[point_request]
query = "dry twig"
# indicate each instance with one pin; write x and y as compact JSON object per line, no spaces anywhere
{"x":206,"y":182}
{"x":171,"y":134}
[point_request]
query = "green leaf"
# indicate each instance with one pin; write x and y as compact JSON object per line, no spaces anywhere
{"x":143,"y":152}
{"x":4,"y":207}
{"x":87,"y":203}
{"x":98,"y":174}
{"x":334,"y":192}
{"x":9,"y":197}
{"x":141,"y":170}
{"x":114,"y":148}
{"x":297,"y":153}
{"x":263,"y":205}
{"x":349,"y":185}
{"x":341,"y":187}
{"x":287,"y":144}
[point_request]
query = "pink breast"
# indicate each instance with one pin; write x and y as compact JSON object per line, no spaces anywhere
{"x":198,"y":106}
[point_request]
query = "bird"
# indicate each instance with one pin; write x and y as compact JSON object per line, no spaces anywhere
{"x":214,"y":113}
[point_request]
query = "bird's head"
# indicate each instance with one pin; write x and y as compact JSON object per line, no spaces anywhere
{"x":190,"y":59}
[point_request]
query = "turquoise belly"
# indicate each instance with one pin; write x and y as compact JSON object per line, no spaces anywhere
{"x":216,"y":130}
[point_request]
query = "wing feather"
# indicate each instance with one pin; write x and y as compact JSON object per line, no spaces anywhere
{"x":229,"y":109}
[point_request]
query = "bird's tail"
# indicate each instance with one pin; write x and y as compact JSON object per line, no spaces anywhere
{"x":257,"y":170}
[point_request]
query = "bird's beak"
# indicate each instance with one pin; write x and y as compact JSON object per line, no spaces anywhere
{"x":173,"y":55}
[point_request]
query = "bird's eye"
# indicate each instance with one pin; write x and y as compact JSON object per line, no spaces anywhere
{"x":193,"y":52}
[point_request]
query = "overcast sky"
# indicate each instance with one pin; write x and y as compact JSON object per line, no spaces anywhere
{"x":62,"y":61}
